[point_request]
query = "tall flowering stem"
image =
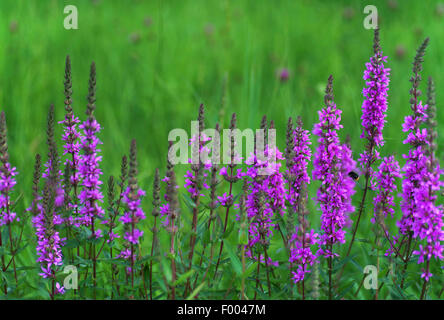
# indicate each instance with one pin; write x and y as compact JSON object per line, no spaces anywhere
{"x":428,"y":217}
{"x":225,"y":201}
{"x":195,"y":181}
{"x":416,"y":160}
{"x":7,"y":183}
{"x":46,"y":218}
{"x":327,"y":168}
{"x":71,"y":148}
{"x":133,"y":215}
{"x":155,"y":212}
{"x":383,"y":183}
{"x":89,"y":171}
{"x":265,"y":198}
{"x":114,"y":212}
{"x":374,"y":109}
{"x":298,"y":155}
{"x":231,"y":177}
{"x":170,"y":212}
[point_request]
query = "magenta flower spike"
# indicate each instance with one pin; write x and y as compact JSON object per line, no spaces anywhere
{"x":329,"y":157}
{"x":134,"y":212}
{"x":374,"y":106}
{"x":89,"y":170}
{"x":7,"y":177}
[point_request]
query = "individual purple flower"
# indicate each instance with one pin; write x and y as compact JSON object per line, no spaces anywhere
{"x":332,"y":197}
{"x":374,"y":107}
{"x":283,"y":74}
{"x":270,"y":262}
{"x":225,"y":200}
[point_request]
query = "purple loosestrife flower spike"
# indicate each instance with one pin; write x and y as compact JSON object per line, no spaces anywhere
{"x":134,"y":213}
{"x":327,"y":168}
{"x":46,"y":219}
{"x":156,"y":209}
{"x":374,"y":107}
{"x":300,"y":241}
{"x":72,"y":144}
{"x":214,"y":181}
{"x":228,"y":172}
{"x":89,"y":170}
{"x":384,"y":186}
{"x":428,"y":216}
{"x":415,"y":166}
{"x":297,"y":156}
{"x":195,"y":178}
{"x":110,"y":221}
{"x":265,"y":196}
{"x":169,"y":211}
{"x":7,"y":174}
{"x":52,"y":150}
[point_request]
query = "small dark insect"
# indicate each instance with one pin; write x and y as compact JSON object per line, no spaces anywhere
{"x":353,"y":175}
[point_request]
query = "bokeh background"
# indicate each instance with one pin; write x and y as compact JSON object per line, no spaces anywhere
{"x":158,"y":60}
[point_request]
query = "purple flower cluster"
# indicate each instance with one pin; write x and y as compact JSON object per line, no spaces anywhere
{"x":415,"y":167}
{"x":7,"y":174}
{"x":384,"y":186}
{"x":196,"y":178}
{"x":90,"y":175}
{"x":428,"y":217}
{"x":132,"y":216}
{"x":332,"y":197}
{"x":296,"y":172}
{"x":302,"y":254}
{"x":265,"y":195}
{"x":71,"y":147}
{"x":59,"y":192}
{"x":49,"y":243}
{"x":374,"y":107}
{"x":7,"y":183}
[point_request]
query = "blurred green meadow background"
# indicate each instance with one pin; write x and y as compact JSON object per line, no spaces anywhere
{"x":158,"y":60}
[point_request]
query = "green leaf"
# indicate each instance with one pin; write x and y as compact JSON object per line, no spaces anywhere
{"x":237,"y":265}
{"x":184,"y":277}
{"x":196,"y":291}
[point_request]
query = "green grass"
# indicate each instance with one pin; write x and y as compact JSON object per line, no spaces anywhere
{"x":225,"y":54}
